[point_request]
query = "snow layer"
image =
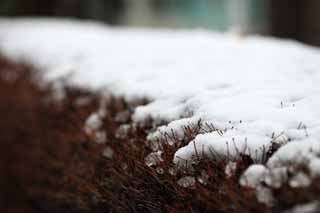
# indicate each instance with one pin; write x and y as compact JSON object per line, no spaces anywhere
{"x":252,"y":88}
{"x":312,"y":207}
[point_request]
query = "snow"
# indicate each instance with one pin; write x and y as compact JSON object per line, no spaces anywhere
{"x":276,"y":177}
{"x":93,"y":126}
{"x":123,"y":131}
{"x":230,"y":169}
{"x":187,"y":181}
{"x":253,"y":176}
{"x":93,"y":123}
{"x":264,"y":195}
{"x":314,"y":167}
{"x":254,"y":89}
{"x":230,"y":144}
{"x":311,"y":207}
{"x":297,"y":153}
{"x":153,"y":158}
{"x":299,"y":180}
{"x":108,"y":152}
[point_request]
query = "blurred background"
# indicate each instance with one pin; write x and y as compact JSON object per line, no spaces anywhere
{"x":296,"y":19}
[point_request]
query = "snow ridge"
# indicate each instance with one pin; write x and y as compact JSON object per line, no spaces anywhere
{"x":253,"y":89}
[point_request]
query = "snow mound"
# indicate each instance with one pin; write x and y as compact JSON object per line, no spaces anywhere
{"x":254,"y":89}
